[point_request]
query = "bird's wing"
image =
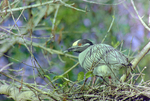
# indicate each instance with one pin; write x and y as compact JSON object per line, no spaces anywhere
{"x":102,"y":54}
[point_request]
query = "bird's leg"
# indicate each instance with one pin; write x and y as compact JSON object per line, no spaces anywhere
{"x":103,"y":79}
{"x":110,"y":81}
{"x":84,"y":84}
{"x":93,"y":82}
{"x":109,"y":77}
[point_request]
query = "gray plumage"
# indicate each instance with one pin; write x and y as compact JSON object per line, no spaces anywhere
{"x":102,"y":59}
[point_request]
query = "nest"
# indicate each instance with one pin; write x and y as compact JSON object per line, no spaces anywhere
{"x":121,"y":91}
{"x":79,"y":91}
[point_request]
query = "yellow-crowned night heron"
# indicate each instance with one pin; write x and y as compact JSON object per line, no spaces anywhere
{"x":102,"y":59}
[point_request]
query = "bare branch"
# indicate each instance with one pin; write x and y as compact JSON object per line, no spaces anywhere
{"x":143,"y":23}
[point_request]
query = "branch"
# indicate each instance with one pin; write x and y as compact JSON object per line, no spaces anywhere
{"x":139,"y":16}
{"x":26,"y":94}
{"x":36,"y":19}
{"x":136,"y":60}
{"x":41,"y":4}
{"x":104,"y":2}
{"x":52,"y":51}
{"x":14,"y":93}
{"x":26,"y":7}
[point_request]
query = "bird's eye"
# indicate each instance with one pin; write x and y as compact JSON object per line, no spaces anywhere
{"x":79,"y":44}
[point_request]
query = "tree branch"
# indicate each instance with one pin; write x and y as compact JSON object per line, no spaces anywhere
{"x":136,"y":60}
{"x":143,"y":23}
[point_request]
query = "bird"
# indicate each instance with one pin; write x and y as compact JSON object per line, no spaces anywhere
{"x":102,"y":59}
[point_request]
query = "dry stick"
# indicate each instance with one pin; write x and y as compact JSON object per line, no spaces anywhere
{"x":135,"y":61}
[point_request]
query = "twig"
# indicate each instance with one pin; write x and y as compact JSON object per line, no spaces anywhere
{"x":55,"y":15}
{"x":6,"y":66}
{"x":111,"y":23}
{"x":67,"y":71}
{"x":30,"y":6}
{"x":104,"y":2}
{"x":15,"y":22}
{"x":52,"y":51}
{"x":41,"y":4}
{"x":139,"y":16}
{"x":139,"y":75}
{"x":54,"y":23}
{"x":67,"y":5}
{"x":108,"y":29}
{"x":63,"y":74}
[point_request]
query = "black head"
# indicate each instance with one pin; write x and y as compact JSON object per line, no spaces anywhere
{"x":79,"y":45}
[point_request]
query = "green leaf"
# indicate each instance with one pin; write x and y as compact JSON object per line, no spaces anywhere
{"x":80,"y":76}
{"x":47,"y":77}
{"x":60,"y":85}
{"x":58,"y":77}
{"x":115,"y":45}
{"x":89,"y":74}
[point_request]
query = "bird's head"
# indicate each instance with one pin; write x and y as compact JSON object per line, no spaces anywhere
{"x":79,"y":46}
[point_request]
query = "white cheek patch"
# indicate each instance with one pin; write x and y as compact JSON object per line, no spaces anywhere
{"x":86,"y":44}
{"x":75,"y":43}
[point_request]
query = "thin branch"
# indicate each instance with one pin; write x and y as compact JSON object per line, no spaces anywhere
{"x":30,"y":6}
{"x":41,"y":4}
{"x":104,"y":3}
{"x":6,"y":66}
{"x":141,"y":72}
{"x":67,"y":71}
{"x":63,"y":74}
{"x":55,"y":15}
{"x":67,"y":5}
{"x":139,"y":16}
{"x":52,"y":51}
{"x":138,"y":58}
{"x":111,"y":23}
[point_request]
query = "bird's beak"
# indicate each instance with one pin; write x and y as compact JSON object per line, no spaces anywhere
{"x":69,"y":49}
{"x":66,"y":51}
